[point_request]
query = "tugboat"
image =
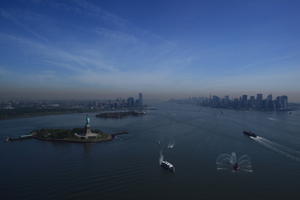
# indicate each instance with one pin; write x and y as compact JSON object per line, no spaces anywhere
{"x":236,"y":167}
{"x":250,"y":134}
{"x":167,"y":165}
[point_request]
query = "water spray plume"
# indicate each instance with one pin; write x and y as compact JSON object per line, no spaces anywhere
{"x":231,"y":162}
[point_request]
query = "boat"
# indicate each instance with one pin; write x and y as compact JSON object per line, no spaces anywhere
{"x":236,"y":167}
{"x":167,"y":165}
{"x":250,"y":134}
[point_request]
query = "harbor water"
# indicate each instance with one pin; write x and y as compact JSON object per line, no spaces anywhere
{"x":190,"y":137}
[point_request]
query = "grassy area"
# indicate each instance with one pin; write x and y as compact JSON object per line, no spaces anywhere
{"x":68,"y":135}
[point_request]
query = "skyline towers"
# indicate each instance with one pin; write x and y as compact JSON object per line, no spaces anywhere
{"x":245,"y":103}
{"x":141,"y":99}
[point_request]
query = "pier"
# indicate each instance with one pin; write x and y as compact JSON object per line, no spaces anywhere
{"x":119,"y":133}
{"x":19,"y":138}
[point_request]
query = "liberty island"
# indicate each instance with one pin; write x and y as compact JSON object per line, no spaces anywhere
{"x":75,"y":135}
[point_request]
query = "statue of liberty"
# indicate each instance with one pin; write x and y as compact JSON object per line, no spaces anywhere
{"x":87,"y":119}
{"x":87,"y":125}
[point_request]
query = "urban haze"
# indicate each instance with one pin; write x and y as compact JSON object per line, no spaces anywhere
{"x":160,"y":99}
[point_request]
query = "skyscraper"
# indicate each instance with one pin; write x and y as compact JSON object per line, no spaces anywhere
{"x":141,"y":99}
{"x":269,"y":97}
{"x":269,"y":102}
{"x":130,"y":101}
{"x":259,"y":100}
{"x":283,"y":102}
{"x":244,"y":101}
{"x":252,"y":101}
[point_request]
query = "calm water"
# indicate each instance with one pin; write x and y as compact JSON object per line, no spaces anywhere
{"x":128,"y":168}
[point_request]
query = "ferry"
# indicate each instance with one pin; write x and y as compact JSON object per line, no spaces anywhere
{"x":250,"y":134}
{"x":167,"y":165}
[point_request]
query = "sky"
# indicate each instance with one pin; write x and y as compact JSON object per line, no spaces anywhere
{"x":80,"y":49}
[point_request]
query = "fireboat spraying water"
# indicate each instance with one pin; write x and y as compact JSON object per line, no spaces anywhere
{"x":227,"y":161}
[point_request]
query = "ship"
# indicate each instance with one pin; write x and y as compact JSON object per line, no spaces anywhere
{"x":250,"y":134}
{"x":166,"y":165}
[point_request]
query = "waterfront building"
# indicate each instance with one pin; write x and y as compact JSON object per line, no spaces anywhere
{"x":141,"y":99}
{"x":226,"y":101}
{"x":130,"y":102}
{"x":269,"y":97}
{"x":269,"y":102}
{"x":252,"y":102}
{"x":283,"y":102}
{"x":216,"y":100}
{"x":259,"y":100}
{"x":244,"y":101}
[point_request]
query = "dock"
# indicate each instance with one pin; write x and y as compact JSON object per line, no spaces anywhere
{"x":119,"y":133}
{"x":19,"y":138}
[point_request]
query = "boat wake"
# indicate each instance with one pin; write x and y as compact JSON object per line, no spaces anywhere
{"x":161,"y":157}
{"x":283,"y":150}
{"x":171,"y":145}
{"x":227,"y":161}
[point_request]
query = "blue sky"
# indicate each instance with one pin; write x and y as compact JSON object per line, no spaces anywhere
{"x":82,"y":48}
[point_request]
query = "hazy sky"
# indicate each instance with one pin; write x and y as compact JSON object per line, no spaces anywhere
{"x":81,"y":48}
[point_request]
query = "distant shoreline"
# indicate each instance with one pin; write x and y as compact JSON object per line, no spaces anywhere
{"x":10,"y":116}
{"x":120,"y":114}
{"x":21,"y":116}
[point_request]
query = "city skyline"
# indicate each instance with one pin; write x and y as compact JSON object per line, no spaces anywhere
{"x":258,"y":102}
{"x":165,"y":49}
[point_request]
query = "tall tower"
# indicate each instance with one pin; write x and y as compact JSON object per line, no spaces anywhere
{"x":141,"y":99}
{"x":259,"y":100}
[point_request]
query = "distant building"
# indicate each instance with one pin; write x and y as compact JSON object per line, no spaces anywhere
{"x":216,"y":101}
{"x":283,"y":102}
{"x":226,"y":100}
{"x":244,"y":101}
{"x":141,"y":99}
{"x":130,"y":102}
{"x":252,"y":101}
{"x":269,"y":97}
{"x":269,"y":103}
{"x":259,"y":100}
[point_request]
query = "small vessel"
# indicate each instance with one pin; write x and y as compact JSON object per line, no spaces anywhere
{"x":250,"y":134}
{"x":167,"y":165}
{"x":235,"y":167}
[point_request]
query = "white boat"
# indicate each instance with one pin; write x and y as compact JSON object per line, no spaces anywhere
{"x":167,"y":165}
